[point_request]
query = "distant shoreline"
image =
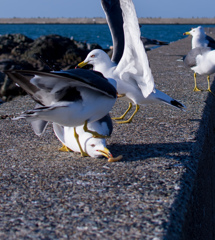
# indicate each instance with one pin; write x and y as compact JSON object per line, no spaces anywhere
{"x":199,"y":21}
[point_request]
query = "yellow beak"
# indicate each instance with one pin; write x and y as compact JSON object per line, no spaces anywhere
{"x":82,"y":64}
{"x":106,"y":153}
{"x":186,"y":33}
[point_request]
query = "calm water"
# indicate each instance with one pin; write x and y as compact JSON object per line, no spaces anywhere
{"x":96,"y":33}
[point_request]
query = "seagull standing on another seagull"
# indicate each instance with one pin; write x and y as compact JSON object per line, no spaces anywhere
{"x":130,"y":68}
{"x":69,"y":98}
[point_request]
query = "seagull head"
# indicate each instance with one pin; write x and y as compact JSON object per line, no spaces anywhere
{"x":98,"y":58}
{"x":96,"y":147}
{"x":196,"y":32}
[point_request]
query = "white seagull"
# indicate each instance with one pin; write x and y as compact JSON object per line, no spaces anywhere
{"x":93,"y":147}
{"x":199,"y":38}
{"x":69,"y":98}
{"x":202,"y":61}
{"x":129,"y":65}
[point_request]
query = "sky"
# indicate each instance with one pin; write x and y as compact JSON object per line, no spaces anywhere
{"x":92,"y":8}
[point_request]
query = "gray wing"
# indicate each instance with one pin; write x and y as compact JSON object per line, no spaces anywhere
{"x":39,"y":126}
{"x":108,"y":121}
{"x":103,"y":126}
{"x":88,"y":78}
{"x":190,"y":58}
{"x":114,"y":18}
{"x":48,"y":87}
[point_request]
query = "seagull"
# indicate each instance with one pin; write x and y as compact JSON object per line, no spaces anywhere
{"x":93,"y":147}
{"x":129,"y":65}
{"x":69,"y":98}
{"x":89,"y":143}
{"x":202,"y":61}
{"x":200,"y":39}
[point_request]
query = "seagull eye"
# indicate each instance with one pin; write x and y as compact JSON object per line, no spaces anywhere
{"x":92,"y":56}
{"x":93,"y":145}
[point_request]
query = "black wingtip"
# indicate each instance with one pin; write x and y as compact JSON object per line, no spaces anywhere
{"x":177,"y":104}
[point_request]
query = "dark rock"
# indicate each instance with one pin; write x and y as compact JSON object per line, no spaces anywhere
{"x":51,"y":47}
{"x":44,"y":53}
{"x":10,"y":41}
{"x":9,"y":90}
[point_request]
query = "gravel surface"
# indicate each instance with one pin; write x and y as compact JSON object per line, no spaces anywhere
{"x":47,"y":194}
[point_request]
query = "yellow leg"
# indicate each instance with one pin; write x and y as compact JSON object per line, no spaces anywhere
{"x":83,"y":154}
{"x":196,"y":89}
{"x":130,"y":119}
{"x":209,"y":88}
{"x":123,"y":115}
{"x":95,"y":134}
{"x":64,"y":148}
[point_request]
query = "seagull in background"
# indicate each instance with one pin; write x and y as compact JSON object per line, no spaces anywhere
{"x":202,"y":61}
{"x":200,"y":39}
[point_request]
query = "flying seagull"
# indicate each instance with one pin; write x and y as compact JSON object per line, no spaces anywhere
{"x":129,"y":65}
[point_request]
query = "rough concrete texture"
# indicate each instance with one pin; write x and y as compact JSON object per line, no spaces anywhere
{"x":47,"y":194}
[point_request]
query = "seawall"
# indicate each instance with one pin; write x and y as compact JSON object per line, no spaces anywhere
{"x":100,"y":20}
{"x":162,"y":189}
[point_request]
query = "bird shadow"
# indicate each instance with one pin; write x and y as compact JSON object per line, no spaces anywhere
{"x":179,"y":151}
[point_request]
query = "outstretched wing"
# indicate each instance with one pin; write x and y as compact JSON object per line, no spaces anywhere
{"x":134,"y":65}
{"x":88,"y":78}
{"x":49,"y":87}
{"x":114,"y":18}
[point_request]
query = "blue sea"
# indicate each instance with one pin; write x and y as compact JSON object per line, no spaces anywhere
{"x":92,"y":33}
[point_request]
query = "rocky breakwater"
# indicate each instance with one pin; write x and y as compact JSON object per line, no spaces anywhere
{"x":17,"y":51}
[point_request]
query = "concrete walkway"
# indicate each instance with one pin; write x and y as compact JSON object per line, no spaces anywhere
{"x":151,"y":194}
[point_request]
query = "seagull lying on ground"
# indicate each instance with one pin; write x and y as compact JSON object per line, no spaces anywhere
{"x":69,"y":98}
{"x":93,"y":147}
{"x":129,"y":65}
